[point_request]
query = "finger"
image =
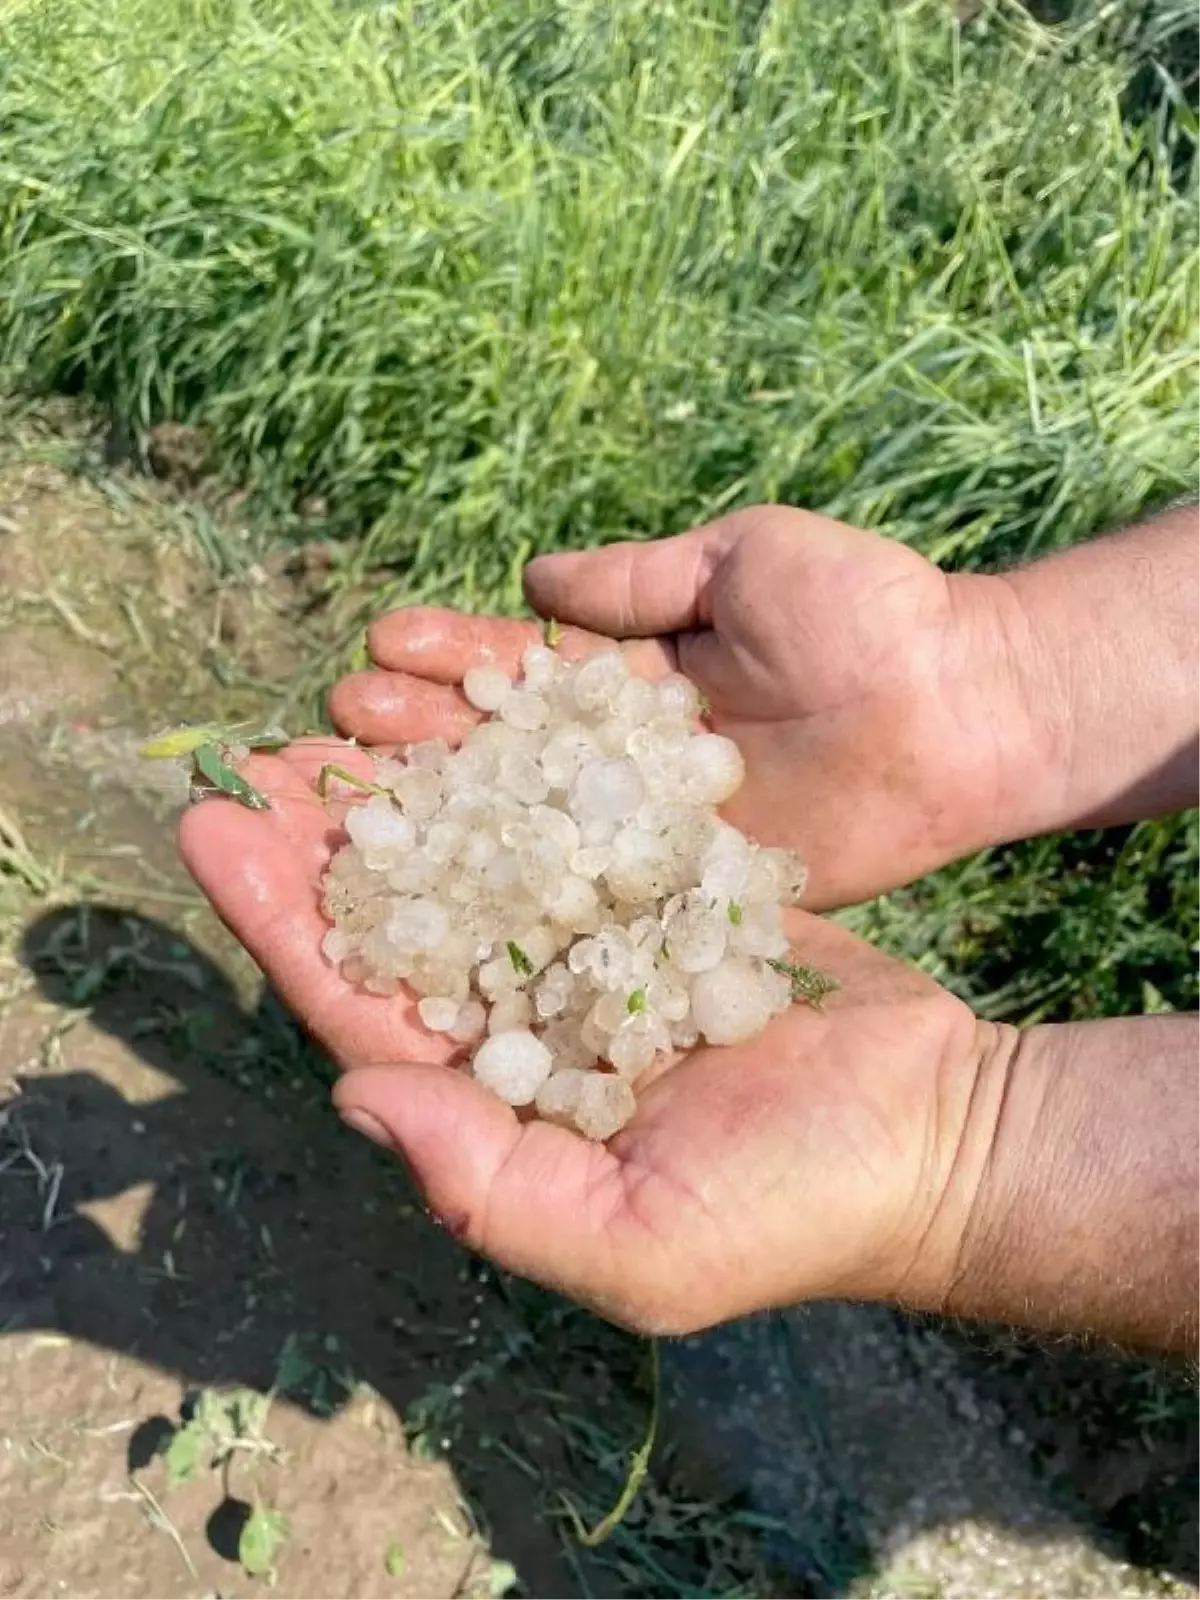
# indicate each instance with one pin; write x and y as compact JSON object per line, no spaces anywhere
{"x":438,"y":644}
{"x":306,"y":758}
{"x":297,"y":819}
{"x":632,"y":590}
{"x":261,"y":871}
{"x":379,"y":707}
{"x":536,"y":1199}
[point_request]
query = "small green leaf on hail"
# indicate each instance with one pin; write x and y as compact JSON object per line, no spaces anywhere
{"x":521,"y":962}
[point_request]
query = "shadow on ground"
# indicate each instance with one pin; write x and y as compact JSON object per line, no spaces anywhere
{"x":200,"y":1209}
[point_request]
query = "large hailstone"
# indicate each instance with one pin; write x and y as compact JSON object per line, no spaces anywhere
{"x":560,"y":893}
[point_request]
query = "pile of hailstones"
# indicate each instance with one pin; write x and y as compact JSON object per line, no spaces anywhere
{"x":559,"y":891}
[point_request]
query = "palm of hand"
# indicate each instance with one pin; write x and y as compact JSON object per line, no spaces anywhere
{"x":797,"y":1165}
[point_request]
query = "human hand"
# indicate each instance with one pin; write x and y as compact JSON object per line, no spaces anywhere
{"x":835,"y":1155}
{"x":867,"y":691}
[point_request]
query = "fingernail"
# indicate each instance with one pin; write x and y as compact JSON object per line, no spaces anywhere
{"x":370,"y":1127}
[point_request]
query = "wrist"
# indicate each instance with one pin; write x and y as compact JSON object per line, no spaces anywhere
{"x":1012,"y":711}
{"x":1081,"y":673}
{"x":972,"y":1251}
{"x":992,"y":1263}
{"x":927,"y":1266}
{"x":1071,"y":1201}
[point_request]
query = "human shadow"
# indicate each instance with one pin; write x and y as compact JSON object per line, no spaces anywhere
{"x":261,"y":1243}
{"x":272,"y":1247}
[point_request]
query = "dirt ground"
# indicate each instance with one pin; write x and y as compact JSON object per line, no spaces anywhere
{"x":230,"y":1337}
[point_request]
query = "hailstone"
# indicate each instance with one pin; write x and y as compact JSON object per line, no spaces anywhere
{"x":559,"y":891}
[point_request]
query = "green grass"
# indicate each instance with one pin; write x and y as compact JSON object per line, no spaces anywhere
{"x":492,"y":278}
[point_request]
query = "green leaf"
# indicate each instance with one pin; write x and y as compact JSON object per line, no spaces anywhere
{"x":182,"y":1455}
{"x":521,"y":962}
{"x":636,"y":1002}
{"x":264,"y":1532}
{"x":502,"y":1576}
{"x":393,"y":1561}
{"x":735,"y":913}
{"x":1153,"y":1003}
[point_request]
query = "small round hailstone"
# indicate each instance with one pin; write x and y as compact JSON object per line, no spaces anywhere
{"x":696,"y":933}
{"x":523,"y":777}
{"x":510,"y":1012}
{"x":522,"y":710}
{"x":599,"y":681}
{"x":418,"y":924}
{"x":685,"y":1035}
{"x":678,"y":697}
{"x":558,"y":1096}
{"x":590,"y":861}
{"x":558,"y":892}
{"x":379,"y":829}
{"x":635,"y":1044}
{"x":513,"y":1065}
{"x":486,"y":688}
{"x":443,"y":841}
{"x":478,"y":851}
{"x":575,"y":902}
{"x":438,"y":1013}
{"x":606,"y":1104}
{"x":778,"y":875}
{"x":564,"y":753}
{"x":539,"y":667}
{"x":597,"y":1104}
{"x":713,"y":768}
{"x":732,"y":1003}
{"x":609,"y":791}
{"x":636,"y":701}
{"x":419,"y":792}
{"x":726,"y":874}
{"x":469,"y":1022}
{"x":759,"y":932}
{"x":430,"y":753}
{"x":554,"y":991}
{"x":497,"y":977}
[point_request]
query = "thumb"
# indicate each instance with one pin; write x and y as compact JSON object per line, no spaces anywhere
{"x":631,"y":590}
{"x":536,"y":1199}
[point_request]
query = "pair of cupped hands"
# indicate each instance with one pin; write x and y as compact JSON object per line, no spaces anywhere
{"x":836,"y":1154}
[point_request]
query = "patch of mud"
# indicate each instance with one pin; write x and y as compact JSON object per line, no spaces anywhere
{"x":45,"y":676}
{"x":179,"y":1209}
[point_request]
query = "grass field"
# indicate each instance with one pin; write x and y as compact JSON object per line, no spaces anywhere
{"x":496,"y":277}
{"x":450,"y":282}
